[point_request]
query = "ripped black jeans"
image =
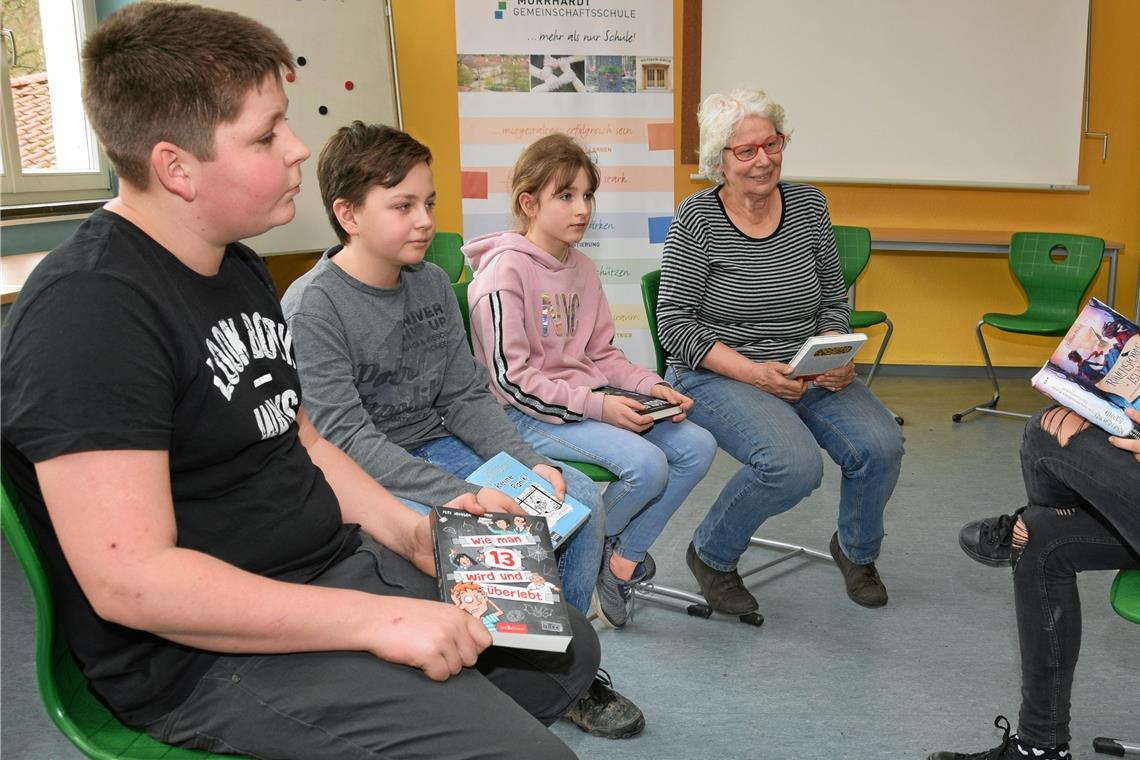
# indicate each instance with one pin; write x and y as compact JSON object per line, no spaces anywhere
{"x":1096,"y":487}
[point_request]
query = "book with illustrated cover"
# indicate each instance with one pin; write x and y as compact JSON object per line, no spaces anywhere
{"x":1095,"y":371}
{"x":536,"y":496}
{"x":657,"y":408}
{"x":819,"y":353}
{"x":501,"y":569}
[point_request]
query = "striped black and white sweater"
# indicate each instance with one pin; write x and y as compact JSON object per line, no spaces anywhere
{"x":762,"y":297}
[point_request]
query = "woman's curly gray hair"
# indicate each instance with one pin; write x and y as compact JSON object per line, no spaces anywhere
{"x":719,"y":116}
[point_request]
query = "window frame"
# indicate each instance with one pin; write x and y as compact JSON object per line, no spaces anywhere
{"x":23,"y":189}
{"x":655,"y":72}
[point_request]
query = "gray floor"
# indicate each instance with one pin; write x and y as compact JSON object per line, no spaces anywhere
{"x":823,"y":678}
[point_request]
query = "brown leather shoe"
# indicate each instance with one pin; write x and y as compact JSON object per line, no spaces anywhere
{"x":864,"y":585}
{"x":724,"y":591}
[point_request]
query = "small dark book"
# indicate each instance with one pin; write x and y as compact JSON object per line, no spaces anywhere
{"x":657,"y":408}
{"x":501,"y":568}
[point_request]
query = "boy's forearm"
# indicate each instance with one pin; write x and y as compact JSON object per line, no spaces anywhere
{"x":362,"y":500}
{"x":202,"y":602}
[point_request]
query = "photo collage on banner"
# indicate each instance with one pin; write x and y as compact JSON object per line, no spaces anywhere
{"x":602,"y":72}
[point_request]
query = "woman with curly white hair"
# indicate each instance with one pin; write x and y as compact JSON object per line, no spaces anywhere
{"x":749,"y":272}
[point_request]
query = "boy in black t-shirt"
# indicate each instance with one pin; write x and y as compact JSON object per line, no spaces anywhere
{"x":226,"y":578}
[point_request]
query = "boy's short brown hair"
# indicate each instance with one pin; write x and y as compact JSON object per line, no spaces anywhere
{"x":155,"y":72}
{"x":361,"y":156}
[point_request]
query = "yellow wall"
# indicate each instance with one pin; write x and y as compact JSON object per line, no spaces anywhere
{"x":933,"y":299}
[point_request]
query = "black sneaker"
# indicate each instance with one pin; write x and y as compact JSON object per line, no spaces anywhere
{"x":864,"y":586}
{"x":1010,"y":748}
{"x":989,"y":541}
{"x":724,"y":591}
{"x":603,"y":712}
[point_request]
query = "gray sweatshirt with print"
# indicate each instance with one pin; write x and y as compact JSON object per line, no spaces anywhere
{"x":384,"y":370}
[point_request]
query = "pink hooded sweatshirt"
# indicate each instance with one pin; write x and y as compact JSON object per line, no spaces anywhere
{"x":543,"y":329}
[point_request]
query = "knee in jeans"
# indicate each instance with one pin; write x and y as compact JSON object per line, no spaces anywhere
{"x":1063,"y":423}
{"x":700,"y":448}
{"x":1044,"y":523}
{"x":799,"y":472}
{"x":649,"y":470}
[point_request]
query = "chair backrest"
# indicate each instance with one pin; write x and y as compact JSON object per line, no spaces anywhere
{"x":650,"y":286}
{"x":445,"y":251}
{"x":854,"y":245}
{"x":1054,"y":287}
{"x":460,"y":289}
{"x":76,"y":712}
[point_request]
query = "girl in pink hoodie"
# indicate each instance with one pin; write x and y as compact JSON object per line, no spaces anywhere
{"x":541,"y":324}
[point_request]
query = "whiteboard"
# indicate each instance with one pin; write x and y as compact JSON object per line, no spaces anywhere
{"x":969,"y":92}
{"x":341,"y":41}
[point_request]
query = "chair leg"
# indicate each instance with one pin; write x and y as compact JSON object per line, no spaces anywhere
{"x":1105,"y":746}
{"x":697,"y":606}
{"x":879,"y":358}
{"x":989,"y":407}
{"x":882,"y":348}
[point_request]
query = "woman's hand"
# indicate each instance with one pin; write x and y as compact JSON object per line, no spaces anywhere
{"x":625,"y":413}
{"x":837,"y":379}
{"x":772,"y":377}
{"x":1128,"y":444}
{"x":666,"y":392}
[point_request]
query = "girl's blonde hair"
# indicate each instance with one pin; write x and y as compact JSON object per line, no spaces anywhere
{"x":557,"y":157}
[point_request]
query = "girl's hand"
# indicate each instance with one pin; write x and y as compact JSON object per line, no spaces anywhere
{"x":1128,"y":444}
{"x":664,"y":391}
{"x":625,"y":413}
{"x":772,"y":377}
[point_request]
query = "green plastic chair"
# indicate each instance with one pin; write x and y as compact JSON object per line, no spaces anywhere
{"x":1125,"y":598}
{"x":590,"y":470}
{"x":1054,"y":286}
{"x":445,"y":251}
{"x":76,"y":712}
{"x":854,"y":245}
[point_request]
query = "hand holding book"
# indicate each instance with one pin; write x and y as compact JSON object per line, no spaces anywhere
{"x":624,"y":408}
{"x":1095,"y":371}
{"x":1131,"y":445}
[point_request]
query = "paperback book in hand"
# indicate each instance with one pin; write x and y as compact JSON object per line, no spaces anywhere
{"x":1095,"y":371}
{"x":505,"y":473}
{"x":819,"y":353}
{"x":501,"y":569}
{"x":657,"y":408}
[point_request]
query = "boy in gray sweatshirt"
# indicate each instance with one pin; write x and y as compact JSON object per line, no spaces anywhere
{"x":387,"y":374}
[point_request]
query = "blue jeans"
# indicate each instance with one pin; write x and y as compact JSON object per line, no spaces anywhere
{"x":1096,"y":484}
{"x":579,"y":559}
{"x":656,"y":470}
{"x":777,"y":442}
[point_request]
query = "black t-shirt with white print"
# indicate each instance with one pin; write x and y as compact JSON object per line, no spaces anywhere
{"x":115,"y":344}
